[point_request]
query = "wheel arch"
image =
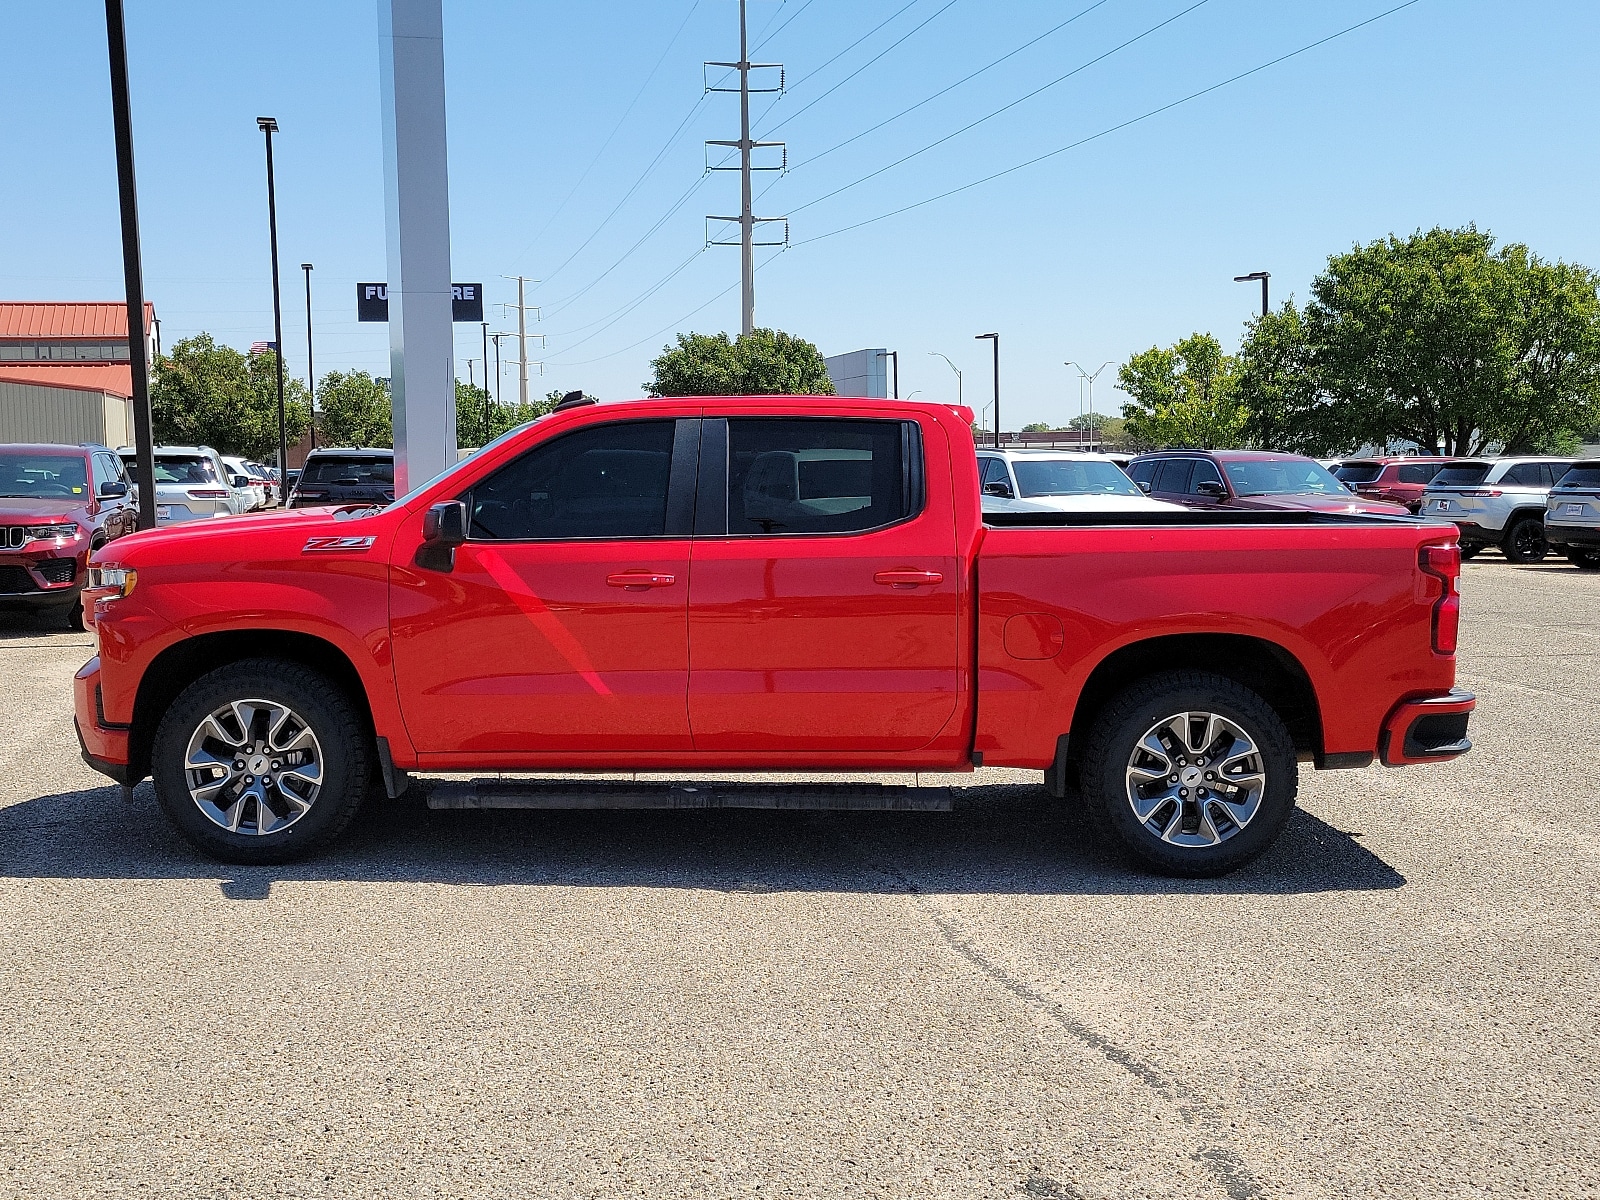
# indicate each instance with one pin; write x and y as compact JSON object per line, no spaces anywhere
{"x":1263,"y":666}
{"x":180,"y":664}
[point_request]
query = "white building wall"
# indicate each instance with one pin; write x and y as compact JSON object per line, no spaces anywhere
{"x":860,"y":373}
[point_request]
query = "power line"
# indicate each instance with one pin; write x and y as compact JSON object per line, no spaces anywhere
{"x":1003,"y":108}
{"x":1115,"y":128}
{"x":609,"y":137}
{"x":618,"y":314}
{"x":891,"y":46}
{"x":764,"y":37}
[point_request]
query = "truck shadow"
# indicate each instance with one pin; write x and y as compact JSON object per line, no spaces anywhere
{"x":1000,"y":839}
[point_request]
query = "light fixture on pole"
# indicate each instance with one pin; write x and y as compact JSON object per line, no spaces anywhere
{"x":311,"y":370}
{"x":961,"y":403}
{"x":269,"y":126}
{"x":894,"y":356}
{"x":995,"y":339}
{"x":132,"y":269}
{"x":1085,"y":377}
{"x":1263,"y":276}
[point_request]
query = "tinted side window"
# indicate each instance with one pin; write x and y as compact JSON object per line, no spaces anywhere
{"x":606,"y":481}
{"x":104,"y":471}
{"x":1419,"y":473}
{"x":1205,"y":471}
{"x":994,"y":471}
{"x":815,"y":476}
{"x":1174,"y":476}
{"x":1527,"y":474}
{"x":1144,"y":471}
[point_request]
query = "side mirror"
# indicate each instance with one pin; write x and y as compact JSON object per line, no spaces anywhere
{"x":1210,"y":487}
{"x":1144,"y":486}
{"x":1003,"y":490}
{"x":240,"y":481}
{"x":444,"y":527}
{"x":114,"y":489}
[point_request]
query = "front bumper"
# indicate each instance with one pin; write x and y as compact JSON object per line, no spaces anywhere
{"x":1431,"y":730}
{"x":1584,"y":537}
{"x":104,"y":746}
{"x":47,"y":575}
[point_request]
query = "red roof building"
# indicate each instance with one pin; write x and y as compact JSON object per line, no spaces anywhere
{"x":64,"y":373}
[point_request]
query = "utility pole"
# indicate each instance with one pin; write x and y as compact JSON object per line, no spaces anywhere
{"x":268,"y":127}
{"x":995,"y":338}
{"x":132,"y":268}
{"x":486,"y":377}
{"x":311,"y":370}
{"x":745,"y":220}
{"x":522,"y":336}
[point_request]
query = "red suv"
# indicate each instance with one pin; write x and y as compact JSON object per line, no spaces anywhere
{"x":57,"y":505}
{"x":1401,"y":480}
{"x":1249,"y":479}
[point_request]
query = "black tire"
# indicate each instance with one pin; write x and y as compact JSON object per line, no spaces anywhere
{"x":1584,"y":560}
{"x":75,"y":619}
{"x":1468,"y":553}
{"x":1112,"y":744}
{"x":343,"y":736}
{"x":1524,"y":541}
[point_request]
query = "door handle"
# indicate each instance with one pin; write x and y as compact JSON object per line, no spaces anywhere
{"x":908,"y":578}
{"x":641,"y":579}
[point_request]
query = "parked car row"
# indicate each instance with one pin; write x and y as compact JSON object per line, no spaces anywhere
{"x":194,"y":483}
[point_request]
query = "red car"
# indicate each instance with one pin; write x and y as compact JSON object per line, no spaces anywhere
{"x":1250,"y":479}
{"x":769,"y":583}
{"x":1399,"y":480}
{"x":57,"y":505}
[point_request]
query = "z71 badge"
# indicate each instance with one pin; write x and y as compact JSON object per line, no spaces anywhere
{"x":317,"y":544}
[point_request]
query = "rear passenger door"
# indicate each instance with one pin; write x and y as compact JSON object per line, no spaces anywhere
{"x":824,"y":612}
{"x":1171,"y":480}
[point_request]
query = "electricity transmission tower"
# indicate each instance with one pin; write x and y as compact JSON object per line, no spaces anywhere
{"x":747,"y":223}
{"x":523,"y":335}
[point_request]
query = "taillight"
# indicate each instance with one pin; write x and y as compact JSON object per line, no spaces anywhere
{"x":1484,"y":492}
{"x":209,"y":493}
{"x":1442,"y":561}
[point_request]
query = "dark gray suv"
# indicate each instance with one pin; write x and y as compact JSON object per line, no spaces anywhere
{"x":364,"y":476}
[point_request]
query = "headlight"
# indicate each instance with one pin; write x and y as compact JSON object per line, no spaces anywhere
{"x":49,"y":532}
{"x":110,"y":583}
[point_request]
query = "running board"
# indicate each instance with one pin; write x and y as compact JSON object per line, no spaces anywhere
{"x":571,"y":793}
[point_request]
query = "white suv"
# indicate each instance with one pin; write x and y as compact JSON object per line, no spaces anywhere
{"x":1059,"y":480}
{"x":1572,"y":515}
{"x":1496,"y":502}
{"x":192,"y":483}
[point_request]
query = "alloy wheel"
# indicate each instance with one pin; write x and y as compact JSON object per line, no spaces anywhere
{"x":1195,"y":779}
{"x":253,"y":767}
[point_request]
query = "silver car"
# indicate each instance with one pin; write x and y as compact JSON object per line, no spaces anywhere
{"x":1496,"y":502}
{"x":1572,"y":515}
{"x":191,"y":484}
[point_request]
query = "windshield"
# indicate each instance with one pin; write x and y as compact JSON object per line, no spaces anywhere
{"x":1461,"y":475}
{"x":185,"y":470}
{"x":1072,"y":477}
{"x":1585,"y":476}
{"x":46,"y":476}
{"x":1283,"y":477}
{"x":365,"y":472}
{"x":1358,"y":472}
{"x":489,"y":445}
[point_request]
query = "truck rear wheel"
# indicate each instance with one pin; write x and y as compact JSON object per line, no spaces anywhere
{"x":261,"y":761}
{"x":1190,"y":773}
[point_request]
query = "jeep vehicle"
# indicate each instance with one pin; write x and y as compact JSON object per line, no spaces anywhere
{"x":1496,"y":502}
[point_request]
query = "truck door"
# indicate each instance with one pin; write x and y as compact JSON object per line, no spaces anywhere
{"x":824,"y":611}
{"x":562,"y":625}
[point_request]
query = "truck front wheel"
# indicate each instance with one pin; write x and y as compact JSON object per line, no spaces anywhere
{"x":261,"y":761}
{"x":1190,"y":773}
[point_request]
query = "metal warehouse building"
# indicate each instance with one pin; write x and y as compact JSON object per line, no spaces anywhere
{"x":64,"y":374}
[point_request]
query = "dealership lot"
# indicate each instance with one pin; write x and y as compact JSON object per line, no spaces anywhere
{"x":1397,"y":1000}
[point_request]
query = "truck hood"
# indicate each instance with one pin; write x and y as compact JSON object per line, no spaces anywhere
{"x":1322,"y":504}
{"x":38,"y":508}
{"x":236,"y":538}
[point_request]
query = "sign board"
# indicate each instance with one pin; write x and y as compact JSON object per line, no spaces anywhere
{"x":466,"y":302}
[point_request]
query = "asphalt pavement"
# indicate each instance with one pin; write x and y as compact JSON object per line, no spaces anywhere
{"x":1397,"y":1001}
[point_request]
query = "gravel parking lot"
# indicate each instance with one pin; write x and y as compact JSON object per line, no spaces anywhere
{"x":1398,"y":1001}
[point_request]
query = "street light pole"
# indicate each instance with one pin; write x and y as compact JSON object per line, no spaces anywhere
{"x":961,"y":403}
{"x":894,"y":355}
{"x":1084,"y":377}
{"x":995,"y":339}
{"x":1263,"y":276}
{"x":311,"y":370}
{"x":269,"y":126}
{"x":132,"y":269}
{"x":486,"y":382}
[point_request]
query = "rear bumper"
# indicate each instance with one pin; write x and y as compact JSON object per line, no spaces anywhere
{"x":1431,"y":730}
{"x":1474,"y":534}
{"x":1584,"y":536}
{"x":104,"y":746}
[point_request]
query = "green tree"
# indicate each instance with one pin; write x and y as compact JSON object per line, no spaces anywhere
{"x":1037,"y":427}
{"x":354,"y":410}
{"x":204,"y":394}
{"x":1185,"y":395}
{"x":1437,"y":340}
{"x":760,"y":363}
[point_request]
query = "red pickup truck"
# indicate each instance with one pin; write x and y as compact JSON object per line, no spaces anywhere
{"x":774,"y":584}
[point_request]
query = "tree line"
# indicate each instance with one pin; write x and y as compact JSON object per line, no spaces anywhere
{"x":1440,"y":341}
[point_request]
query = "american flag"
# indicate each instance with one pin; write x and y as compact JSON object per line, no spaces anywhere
{"x":263,"y":347}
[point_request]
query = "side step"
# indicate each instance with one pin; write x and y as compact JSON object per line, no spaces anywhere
{"x":577,"y":793}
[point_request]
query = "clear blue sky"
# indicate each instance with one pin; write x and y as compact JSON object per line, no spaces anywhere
{"x":1447,"y":112}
